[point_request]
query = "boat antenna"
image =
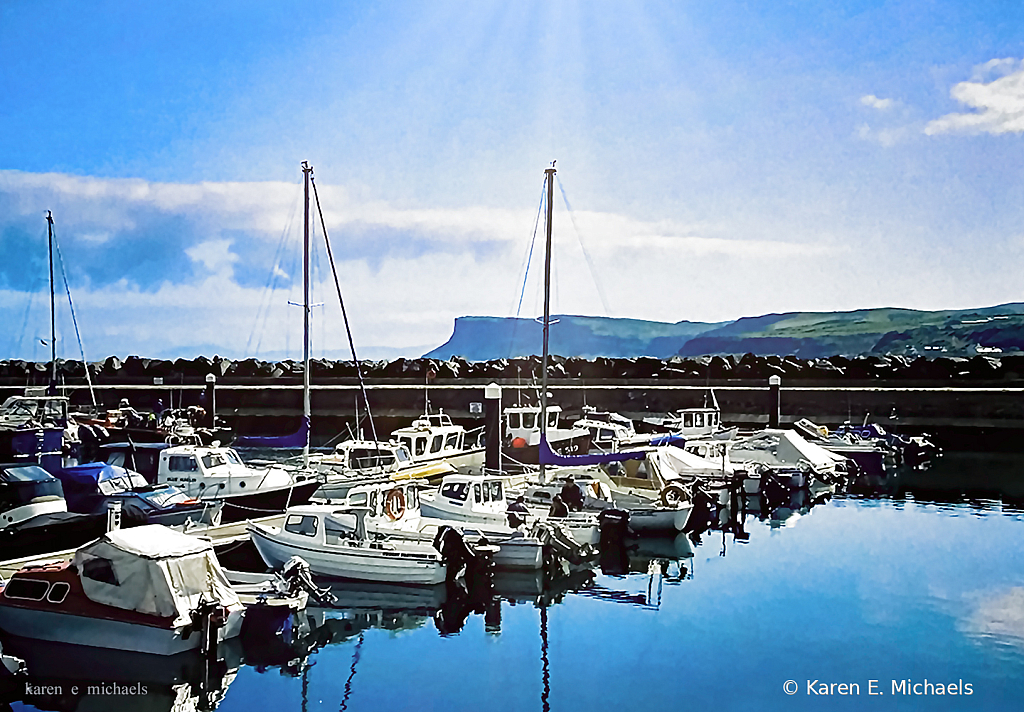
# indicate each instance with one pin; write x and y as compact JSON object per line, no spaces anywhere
{"x":52,"y":388}
{"x":549,"y":177}
{"x":307,"y":171}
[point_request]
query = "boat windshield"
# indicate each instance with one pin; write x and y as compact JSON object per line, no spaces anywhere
{"x":362,"y":458}
{"x":19,"y":493}
{"x":214,"y":459}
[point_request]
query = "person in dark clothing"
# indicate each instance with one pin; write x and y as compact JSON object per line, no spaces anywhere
{"x":572,"y":495}
{"x":558,"y":508}
{"x":517,"y":512}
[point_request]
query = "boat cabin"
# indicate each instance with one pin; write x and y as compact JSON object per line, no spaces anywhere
{"x":365,"y":457}
{"x":523,"y":422}
{"x":19,"y":411}
{"x":214,"y":472}
{"x":467,"y":498}
{"x":143,"y":458}
{"x":431,"y":437}
{"x":607,"y":429}
{"x":27,"y":491}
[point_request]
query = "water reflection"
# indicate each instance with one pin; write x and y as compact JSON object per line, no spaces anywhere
{"x":72,"y":678}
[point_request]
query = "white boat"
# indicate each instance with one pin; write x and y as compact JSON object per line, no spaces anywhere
{"x":433,"y":437}
{"x":524,"y":428}
{"x":480,"y":499}
{"x":141,"y":590}
{"x":354,"y":462}
{"x":647,"y":513}
{"x":334,"y":542}
{"x":218,"y":473}
{"x":394,"y":510}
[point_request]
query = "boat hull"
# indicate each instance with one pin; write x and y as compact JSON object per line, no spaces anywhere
{"x":659,"y":520}
{"x":357,"y":562}
{"x":58,"y":627}
{"x":530,"y":454}
{"x":263,"y":502}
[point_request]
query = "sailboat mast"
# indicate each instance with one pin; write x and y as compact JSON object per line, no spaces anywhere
{"x":52,"y":389}
{"x":306,"y":170}
{"x":549,"y":177}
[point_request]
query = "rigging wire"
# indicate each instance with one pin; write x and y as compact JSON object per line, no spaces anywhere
{"x":74,"y":319}
{"x":263,"y":308}
{"x":586,"y":255}
{"x":25,"y":318}
{"x":528,"y":262}
{"x":344,"y":313}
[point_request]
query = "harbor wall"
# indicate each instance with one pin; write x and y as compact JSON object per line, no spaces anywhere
{"x":975,"y":403}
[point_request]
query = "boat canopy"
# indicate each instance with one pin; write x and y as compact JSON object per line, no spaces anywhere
{"x":154,"y":570}
{"x":105,"y":477}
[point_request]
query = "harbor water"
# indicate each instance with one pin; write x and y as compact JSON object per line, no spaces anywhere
{"x":903,"y":594}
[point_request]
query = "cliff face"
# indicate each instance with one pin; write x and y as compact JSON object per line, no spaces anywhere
{"x":908,"y":332}
{"x":481,"y":338}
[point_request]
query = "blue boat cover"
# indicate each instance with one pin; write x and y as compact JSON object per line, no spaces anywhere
{"x":669,"y":439}
{"x":546,"y":456}
{"x":300,"y":438}
{"x":92,"y":473}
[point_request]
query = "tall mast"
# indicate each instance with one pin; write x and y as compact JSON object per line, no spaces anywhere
{"x":52,"y":389}
{"x":549,"y":178}
{"x":306,"y":171}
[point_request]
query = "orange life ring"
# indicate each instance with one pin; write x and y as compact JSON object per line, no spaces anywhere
{"x":394,"y":504}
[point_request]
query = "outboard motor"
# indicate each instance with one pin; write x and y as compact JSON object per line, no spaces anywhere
{"x":614,"y":527}
{"x":297,"y":575}
{"x":455,"y":551}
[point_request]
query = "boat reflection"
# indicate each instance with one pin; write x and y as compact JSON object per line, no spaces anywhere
{"x":73,"y":678}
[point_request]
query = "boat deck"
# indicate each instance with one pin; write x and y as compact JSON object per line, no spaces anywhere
{"x":221,"y":535}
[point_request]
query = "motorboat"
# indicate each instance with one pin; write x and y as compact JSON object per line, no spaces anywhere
{"x":217,"y":474}
{"x":34,"y":516}
{"x":433,"y":437}
{"x":648,"y":513}
{"x":522,"y":434}
{"x":92,"y":487}
{"x":394,"y":510}
{"x":356,"y":461}
{"x":148,"y":589}
{"x":335,"y":543}
{"x":480,"y":499}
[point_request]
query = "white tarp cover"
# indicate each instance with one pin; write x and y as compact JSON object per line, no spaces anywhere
{"x":672,"y":463}
{"x":156,"y":570}
{"x":783,"y":447}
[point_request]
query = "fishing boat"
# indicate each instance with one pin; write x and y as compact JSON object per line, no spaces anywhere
{"x":217,"y":474}
{"x":480,"y":500}
{"x":433,"y":438}
{"x":335,"y":543}
{"x":148,"y":589}
{"x":357,"y":461}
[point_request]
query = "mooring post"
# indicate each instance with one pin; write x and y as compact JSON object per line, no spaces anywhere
{"x":492,"y":427}
{"x":211,"y":400}
{"x":774,"y":401}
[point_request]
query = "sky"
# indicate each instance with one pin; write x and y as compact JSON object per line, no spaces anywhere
{"x":714,"y":160}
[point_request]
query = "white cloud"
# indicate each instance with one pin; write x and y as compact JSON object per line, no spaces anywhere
{"x":997,"y":105}
{"x":215,"y":255}
{"x":875,"y":103}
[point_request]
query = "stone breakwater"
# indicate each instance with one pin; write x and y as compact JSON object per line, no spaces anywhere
{"x":836,"y":369}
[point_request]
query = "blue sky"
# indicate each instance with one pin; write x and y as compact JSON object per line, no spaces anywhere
{"x":720,"y":160}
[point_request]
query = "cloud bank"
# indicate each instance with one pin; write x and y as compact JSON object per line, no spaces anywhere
{"x":997,"y":105}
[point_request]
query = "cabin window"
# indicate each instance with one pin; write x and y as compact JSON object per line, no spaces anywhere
{"x":407,"y":442}
{"x":713,"y":419}
{"x":421,"y":446}
{"x":100,"y":570}
{"x":455,"y":490}
{"x":357,"y":499}
{"x":698,"y":421}
{"x":412,"y":496}
{"x":362,"y":458}
{"x":495,"y":487}
{"x":513,"y":421}
{"x":687,"y":420}
{"x":374,"y":498}
{"x":402,"y":454}
{"x":452,"y":442}
{"x":476,"y":493}
{"x":214,"y":459}
{"x":182,"y":463}
{"x":116,"y":459}
{"x":26,"y":589}
{"x":606,"y":435}
{"x":299,"y":524}
{"x":529,"y":420}
{"x":58,"y":592}
{"x":437,"y":443}
{"x":553,"y":419}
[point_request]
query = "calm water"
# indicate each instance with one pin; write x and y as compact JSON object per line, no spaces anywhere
{"x":917,"y":578}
